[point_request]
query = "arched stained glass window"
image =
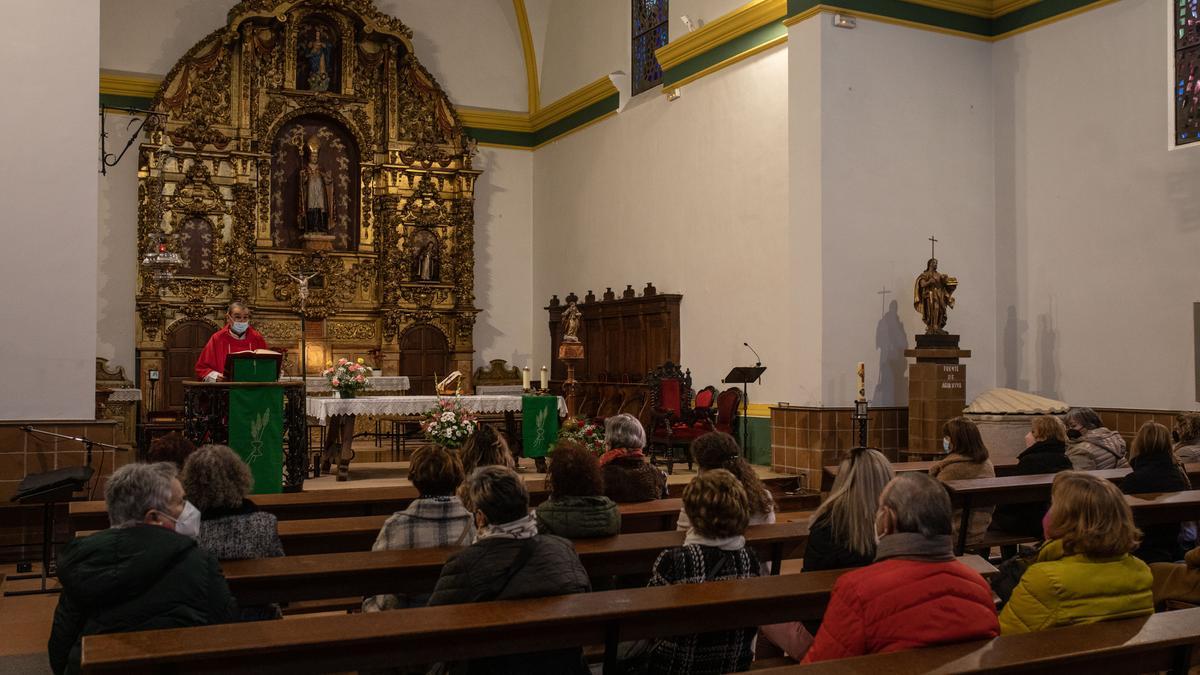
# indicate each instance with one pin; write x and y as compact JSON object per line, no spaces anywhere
{"x":649,"y":33}
{"x":1187,"y":71}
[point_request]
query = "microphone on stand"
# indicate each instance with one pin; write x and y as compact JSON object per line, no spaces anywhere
{"x":747,"y":345}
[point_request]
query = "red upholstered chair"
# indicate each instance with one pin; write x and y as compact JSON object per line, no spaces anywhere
{"x":728,"y":406}
{"x":706,"y":398}
{"x":674,"y":424}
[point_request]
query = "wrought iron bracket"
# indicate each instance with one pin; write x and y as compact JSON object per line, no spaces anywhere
{"x":141,"y":118}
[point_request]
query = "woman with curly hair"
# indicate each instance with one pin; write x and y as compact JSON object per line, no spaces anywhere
{"x":217,"y":482}
{"x":577,"y":507}
{"x":714,"y":549}
{"x":1186,"y":435}
{"x":718,"y":450}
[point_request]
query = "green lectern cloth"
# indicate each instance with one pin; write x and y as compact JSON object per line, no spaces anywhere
{"x":539,"y":420}
{"x":256,"y":423}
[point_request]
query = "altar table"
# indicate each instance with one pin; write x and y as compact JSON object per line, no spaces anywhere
{"x":339,"y":414}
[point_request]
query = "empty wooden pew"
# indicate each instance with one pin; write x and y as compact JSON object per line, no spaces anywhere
{"x":377,"y":501}
{"x":424,"y":635}
{"x":1161,"y":642}
{"x":342,"y":575}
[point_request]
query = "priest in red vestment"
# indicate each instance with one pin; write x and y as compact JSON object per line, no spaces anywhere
{"x":236,"y":336}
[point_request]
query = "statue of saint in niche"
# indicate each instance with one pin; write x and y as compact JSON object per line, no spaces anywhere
{"x":426,"y":258}
{"x":316,"y":59}
{"x":933,"y":296}
{"x":316,"y":192}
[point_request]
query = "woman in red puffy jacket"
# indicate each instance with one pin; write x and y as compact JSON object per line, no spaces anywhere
{"x":915,"y":594}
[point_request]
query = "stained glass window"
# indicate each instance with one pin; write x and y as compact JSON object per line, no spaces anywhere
{"x":649,"y":33}
{"x":1187,"y":71}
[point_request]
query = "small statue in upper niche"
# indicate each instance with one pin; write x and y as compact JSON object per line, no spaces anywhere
{"x":316,"y":192}
{"x":427,"y":266}
{"x":317,"y":51}
{"x":933,"y":296}
{"x":570,"y":320}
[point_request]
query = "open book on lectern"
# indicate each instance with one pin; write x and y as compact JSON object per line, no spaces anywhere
{"x":253,"y":365}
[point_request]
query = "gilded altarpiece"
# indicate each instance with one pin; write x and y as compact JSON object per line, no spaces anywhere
{"x":307,"y":139}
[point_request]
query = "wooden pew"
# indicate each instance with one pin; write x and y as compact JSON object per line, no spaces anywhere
{"x":830,"y":473}
{"x":985,"y":492}
{"x":377,"y":501}
{"x":1161,"y":642}
{"x":430,"y":634}
{"x":358,"y":533}
{"x":342,"y":575}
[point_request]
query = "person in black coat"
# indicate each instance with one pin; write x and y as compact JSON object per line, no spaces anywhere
{"x":508,"y":561}
{"x":842,"y":533}
{"x":1045,"y":452}
{"x":1156,"y":470}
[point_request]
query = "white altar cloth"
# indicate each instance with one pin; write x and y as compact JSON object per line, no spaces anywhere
{"x":378,"y":383}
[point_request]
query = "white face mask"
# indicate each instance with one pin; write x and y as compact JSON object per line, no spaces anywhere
{"x":946,"y":444}
{"x":240,"y":327}
{"x":188,"y":522}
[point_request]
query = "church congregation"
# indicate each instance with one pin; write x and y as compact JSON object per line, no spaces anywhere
{"x":300,"y":380}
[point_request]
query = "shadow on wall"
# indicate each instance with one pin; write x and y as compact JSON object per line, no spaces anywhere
{"x":891,"y":342}
{"x":1047,"y":352}
{"x":1014,"y":339}
{"x":486,"y":332}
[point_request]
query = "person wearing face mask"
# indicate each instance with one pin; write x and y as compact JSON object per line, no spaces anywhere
{"x":1045,"y":452}
{"x":1090,"y":445}
{"x":143,"y":573}
{"x":236,"y":336}
{"x":915,"y":594}
{"x":967,"y":460}
{"x":510,"y":560}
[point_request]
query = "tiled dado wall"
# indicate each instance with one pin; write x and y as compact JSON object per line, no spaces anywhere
{"x":803,"y":439}
{"x":22,"y":454}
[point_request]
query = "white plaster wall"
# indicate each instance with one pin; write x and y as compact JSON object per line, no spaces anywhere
{"x":690,"y":195}
{"x":804,"y":260}
{"x":503,"y":264}
{"x":48,"y":309}
{"x":585,"y":40}
{"x":1098,"y":229}
{"x":701,"y":12}
{"x":117,"y":257}
{"x":472,"y":47}
{"x":906,"y":130}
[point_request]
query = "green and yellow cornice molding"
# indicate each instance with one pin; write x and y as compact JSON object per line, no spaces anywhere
{"x":744,"y":32}
{"x":988,"y":20}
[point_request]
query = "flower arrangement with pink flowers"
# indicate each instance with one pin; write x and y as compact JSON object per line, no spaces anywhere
{"x":348,"y":377}
{"x":449,"y":423}
{"x":590,"y":436}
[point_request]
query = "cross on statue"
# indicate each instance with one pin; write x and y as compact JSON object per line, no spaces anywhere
{"x":932,"y":246}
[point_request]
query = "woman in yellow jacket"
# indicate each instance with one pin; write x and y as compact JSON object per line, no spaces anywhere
{"x":1084,"y":572}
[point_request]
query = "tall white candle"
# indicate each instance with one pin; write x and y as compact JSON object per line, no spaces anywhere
{"x":525,"y":378}
{"x":545,"y":378}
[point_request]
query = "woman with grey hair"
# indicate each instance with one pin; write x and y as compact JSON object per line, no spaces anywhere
{"x":1091,"y":445}
{"x":627,"y":475}
{"x":143,"y":573}
{"x":231,"y":526}
{"x":510,"y":560}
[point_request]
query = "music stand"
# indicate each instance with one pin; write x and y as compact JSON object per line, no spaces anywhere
{"x":744,"y":375}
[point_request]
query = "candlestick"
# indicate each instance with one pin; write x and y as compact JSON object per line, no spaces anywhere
{"x":525,"y":378}
{"x":545,"y":379}
{"x":862,"y":385}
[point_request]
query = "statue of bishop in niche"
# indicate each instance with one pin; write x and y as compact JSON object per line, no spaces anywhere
{"x":316,"y":192}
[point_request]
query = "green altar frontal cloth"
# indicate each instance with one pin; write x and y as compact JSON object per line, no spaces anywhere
{"x":539,"y":421}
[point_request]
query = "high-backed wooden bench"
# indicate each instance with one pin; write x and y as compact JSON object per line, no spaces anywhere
{"x":430,"y":634}
{"x":377,"y":501}
{"x":342,"y":575}
{"x":1161,"y":642}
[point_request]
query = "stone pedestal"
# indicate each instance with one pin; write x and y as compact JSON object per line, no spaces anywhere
{"x":936,"y":390}
{"x":317,"y":242}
